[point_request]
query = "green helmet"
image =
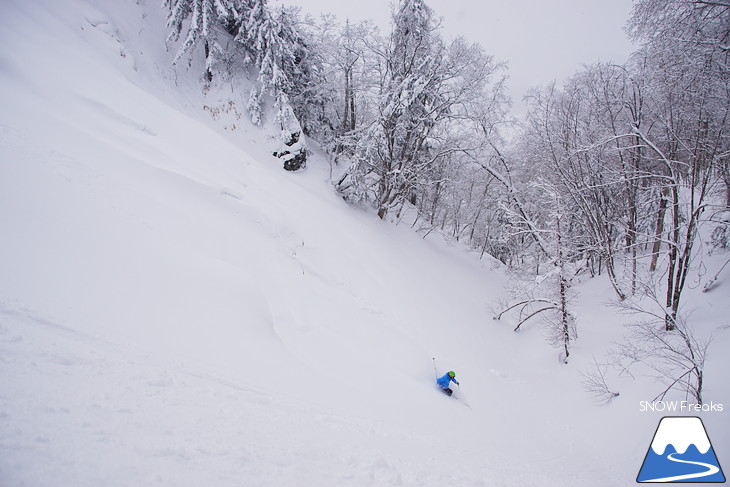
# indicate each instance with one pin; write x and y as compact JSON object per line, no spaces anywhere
{"x":452,"y":374}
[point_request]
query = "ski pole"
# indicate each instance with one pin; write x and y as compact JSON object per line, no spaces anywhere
{"x":435,"y":373}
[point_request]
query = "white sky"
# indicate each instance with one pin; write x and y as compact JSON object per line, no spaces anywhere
{"x":542,"y":40}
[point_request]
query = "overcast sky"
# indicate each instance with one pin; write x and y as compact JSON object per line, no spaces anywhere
{"x":542,"y":40}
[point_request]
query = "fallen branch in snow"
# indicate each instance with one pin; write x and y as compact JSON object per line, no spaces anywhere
{"x":712,"y":282}
{"x":517,"y":328}
{"x":552,"y":305}
{"x":527,"y":301}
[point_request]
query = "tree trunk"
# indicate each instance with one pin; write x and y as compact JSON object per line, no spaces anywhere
{"x":208,"y":75}
{"x":353,"y":118}
{"x":659,"y":230}
{"x":670,"y":315}
{"x":563,"y":290}
{"x":631,"y":241}
{"x":698,"y":389}
{"x":346,"y":116}
{"x":610,"y":268}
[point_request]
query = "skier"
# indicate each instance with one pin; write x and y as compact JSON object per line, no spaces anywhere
{"x":446,"y":380}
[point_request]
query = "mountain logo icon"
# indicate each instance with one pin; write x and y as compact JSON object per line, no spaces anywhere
{"x":681,"y":452}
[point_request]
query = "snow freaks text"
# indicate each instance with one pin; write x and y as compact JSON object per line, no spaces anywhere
{"x":679,"y":407}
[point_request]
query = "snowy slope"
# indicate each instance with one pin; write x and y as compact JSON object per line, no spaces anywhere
{"x":177,"y":310}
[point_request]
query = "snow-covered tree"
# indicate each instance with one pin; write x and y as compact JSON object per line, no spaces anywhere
{"x":275,"y":49}
{"x":411,"y":104}
{"x":346,"y":72}
{"x":209,"y":21}
{"x":423,"y":91}
{"x":684,"y":59}
{"x":272,"y":52}
{"x":268,"y":43}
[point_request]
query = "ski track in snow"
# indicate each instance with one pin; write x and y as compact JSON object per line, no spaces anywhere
{"x":79,"y":403}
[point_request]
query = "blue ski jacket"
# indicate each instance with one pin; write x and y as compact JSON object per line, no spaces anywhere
{"x":445,"y":381}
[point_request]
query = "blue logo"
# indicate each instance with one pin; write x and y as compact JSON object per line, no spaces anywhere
{"x":681,"y":452}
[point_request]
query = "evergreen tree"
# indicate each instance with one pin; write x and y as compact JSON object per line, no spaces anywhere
{"x":209,"y":21}
{"x":271,"y":44}
{"x":258,"y":33}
